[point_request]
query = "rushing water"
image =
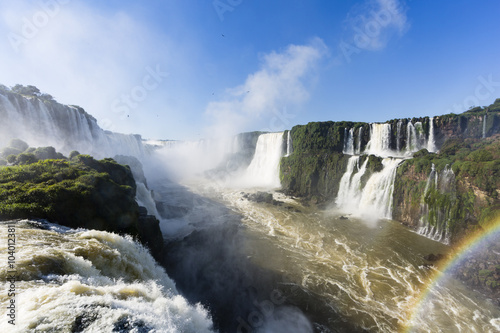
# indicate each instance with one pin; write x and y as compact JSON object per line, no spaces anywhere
{"x":90,"y":281}
{"x":331,"y":274}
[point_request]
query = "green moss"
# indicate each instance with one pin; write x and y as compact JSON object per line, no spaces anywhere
{"x":101,"y":196}
{"x":485,"y":272}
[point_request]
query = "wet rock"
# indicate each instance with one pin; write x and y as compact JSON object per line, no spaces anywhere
{"x":265,"y":197}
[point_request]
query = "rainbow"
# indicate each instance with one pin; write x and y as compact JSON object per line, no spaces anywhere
{"x":467,"y":245}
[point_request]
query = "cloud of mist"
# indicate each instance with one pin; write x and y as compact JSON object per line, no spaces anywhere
{"x":282,"y":80}
{"x":80,"y":55}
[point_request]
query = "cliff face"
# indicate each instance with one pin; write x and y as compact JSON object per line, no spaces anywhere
{"x":315,"y":167}
{"x":42,"y":121}
{"x":453,"y":191}
{"x":446,"y":184}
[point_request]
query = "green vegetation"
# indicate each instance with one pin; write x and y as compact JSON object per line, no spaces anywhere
{"x":473,"y":198}
{"x":78,"y":193}
{"x":82,"y":193}
{"x":317,"y":164}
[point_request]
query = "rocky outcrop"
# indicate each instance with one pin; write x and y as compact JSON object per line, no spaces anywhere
{"x":78,"y":193}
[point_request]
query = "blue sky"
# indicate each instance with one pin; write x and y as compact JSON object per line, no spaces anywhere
{"x":191,"y":69}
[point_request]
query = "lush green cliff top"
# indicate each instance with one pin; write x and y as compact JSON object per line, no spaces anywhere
{"x":79,"y":193}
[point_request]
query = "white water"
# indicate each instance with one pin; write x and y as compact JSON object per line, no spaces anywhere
{"x":289,"y":146}
{"x":263,"y":171}
{"x":360,"y":134}
{"x":92,"y":280}
{"x":415,"y":137}
{"x":437,"y":229}
{"x":431,"y":144}
{"x":349,"y":141}
{"x":380,"y":140}
{"x":64,"y":127}
{"x":350,"y":190}
{"x":484,"y":126}
{"x":185,"y":159}
{"x":374,"y":200}
{"x":144,"y":198}
{"x":398,"y":142}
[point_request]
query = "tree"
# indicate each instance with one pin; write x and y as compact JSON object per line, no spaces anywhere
{"x":26,"y":90}
{"x":18,"y":144}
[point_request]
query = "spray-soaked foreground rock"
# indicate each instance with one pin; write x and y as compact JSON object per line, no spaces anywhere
{"x":78,"y":193}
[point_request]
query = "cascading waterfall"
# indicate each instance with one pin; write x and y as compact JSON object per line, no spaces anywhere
{"x":289,"y":147}
{"x":431,"y":143}
{"x":398,"y":138}
{"x":350,"y":190}
{"x":263,"y":171}
{"x":421,"y":142}
{"x":360,"y":134}
{"x":64,"y":127}
{"x":348,"y":141}
{"x":375,"y":198}
{"x":484,"y":126}
{"x":380,"y":140}
{"x":345,"y":181}
{"x":145,"y":198}
{"x":434,"y":216}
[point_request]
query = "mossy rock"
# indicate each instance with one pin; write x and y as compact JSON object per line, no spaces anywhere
{"x":83,"y":193}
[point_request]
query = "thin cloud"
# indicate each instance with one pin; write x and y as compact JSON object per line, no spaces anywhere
{"x":371,"y":25}
{"x":281,"y":81}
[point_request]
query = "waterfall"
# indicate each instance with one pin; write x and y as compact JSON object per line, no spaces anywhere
{"x":345,"y":181}
{"x":263,"y":171}
{"x":289,"y":147}
{"x":439,"y":189}
{"x":349,"y":141}
{"x":415,"y":137}
{"x":66,"y":128}
{"x":431,"y":143}
{"x":144,"y":198}
{"x":375,"y":198}
{"x":484,"y":126}
{"x":421,"y":142}
{"x":360,"y":134}
{"x":350,"y":185}
{"x":398,"y":139}
{"x":380,"y":140}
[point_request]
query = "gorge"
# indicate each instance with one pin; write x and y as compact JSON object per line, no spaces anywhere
{"x":354,"y":209}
